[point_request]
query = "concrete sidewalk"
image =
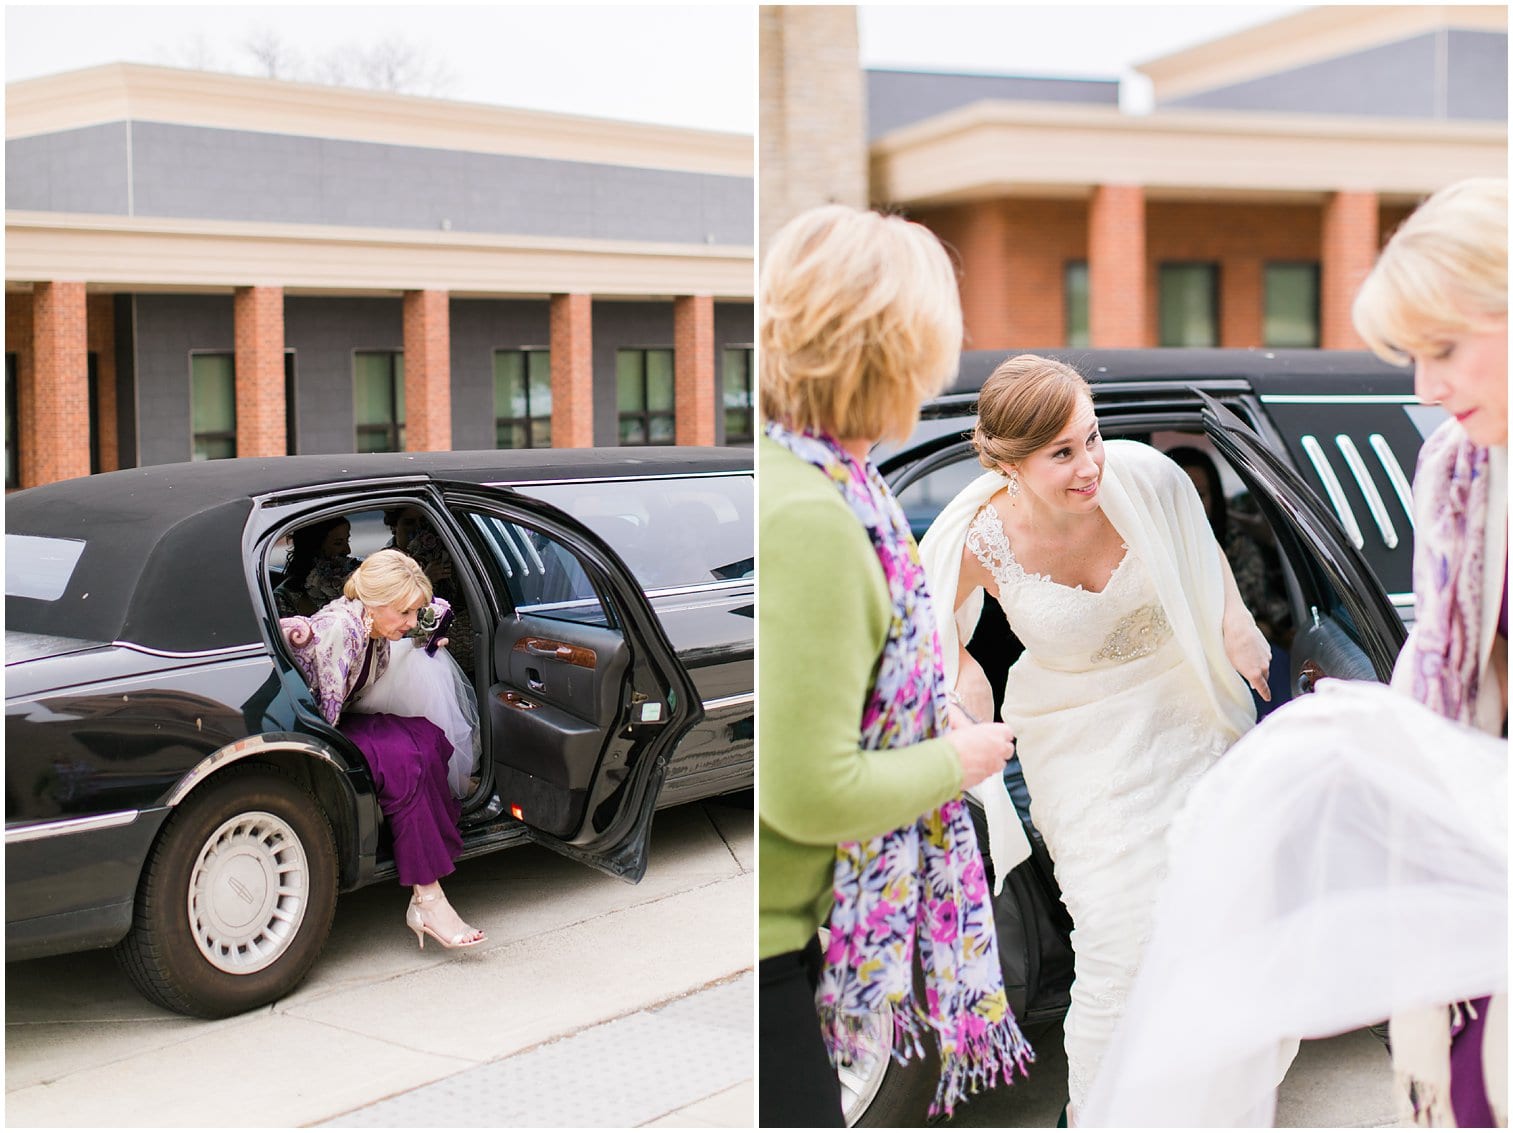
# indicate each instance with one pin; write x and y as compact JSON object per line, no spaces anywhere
{"x":685,"y":1063}
{"x":570,"y":952}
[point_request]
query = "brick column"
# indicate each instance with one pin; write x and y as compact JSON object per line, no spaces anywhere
{"x":694,"y":393}
{"x":101,"y":333}
{"x":428,"y":371}
{"x":259,"y":320}
{"x":1116,"y":266}
{"x":1348,"y":247}
{"x":61,"y":387}
{"x":983,"y":245}
{"x":572,"y":371}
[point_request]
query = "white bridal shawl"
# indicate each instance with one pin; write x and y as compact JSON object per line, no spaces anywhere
{"x":1154,"y":507}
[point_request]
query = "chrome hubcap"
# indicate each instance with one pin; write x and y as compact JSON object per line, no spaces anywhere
{"x":248,"y":893}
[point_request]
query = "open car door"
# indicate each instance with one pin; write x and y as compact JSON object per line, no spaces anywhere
{"x":586,"y":697}
{"x":1350,"y":628}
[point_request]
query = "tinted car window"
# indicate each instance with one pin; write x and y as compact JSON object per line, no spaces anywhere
{"x":678,"y":531}
{"x":38,"y":567}
{"x":542,"y":576}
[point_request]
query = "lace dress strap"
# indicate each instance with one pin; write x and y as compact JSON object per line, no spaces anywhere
{"x":990,"y":543}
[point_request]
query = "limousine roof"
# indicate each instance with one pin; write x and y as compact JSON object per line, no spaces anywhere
{"x":1268,"y":372}
{"x":161,"y":564}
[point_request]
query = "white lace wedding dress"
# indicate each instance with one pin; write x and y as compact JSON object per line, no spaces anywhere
{"x":1112,"y":730}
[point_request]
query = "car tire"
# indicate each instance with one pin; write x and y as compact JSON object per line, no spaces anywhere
{"x":882,"y":1093}
{"x":237,"y":898}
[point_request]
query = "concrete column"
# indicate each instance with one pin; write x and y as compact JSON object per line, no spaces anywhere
{"x":1116,"y":266}
{"x":1348,"y":248}
{"x":259,"y":335}
{"x":695,"y":397}
{"x":61,"y":388}
{"x":572,"y":371}
{"x":428,"y":371}
{"x":984,"y":252}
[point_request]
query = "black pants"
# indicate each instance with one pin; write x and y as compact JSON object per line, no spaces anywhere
{"x":798,"y":1087}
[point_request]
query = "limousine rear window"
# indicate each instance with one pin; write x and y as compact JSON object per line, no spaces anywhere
{"x":1394,"y":470}
{"x":672,"y":531}
{"x":1374,"y":502}
{"x":40,"y":567}
{"x":1320,"y":461}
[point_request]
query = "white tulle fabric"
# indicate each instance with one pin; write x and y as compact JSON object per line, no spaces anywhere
{"x":433,"y":687}
{"x":1112,"y":730}
{"x":1345,"y":862}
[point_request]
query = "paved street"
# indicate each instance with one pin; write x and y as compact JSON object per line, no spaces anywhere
{"x":594,"y":1003}
{"x":1339,"y":1083}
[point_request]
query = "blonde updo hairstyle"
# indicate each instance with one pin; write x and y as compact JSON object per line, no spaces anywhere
{"x":388,"y":578}
{"x":860,"y":323}
{"x":1445,"y":271}
{"x":1023,"y":407}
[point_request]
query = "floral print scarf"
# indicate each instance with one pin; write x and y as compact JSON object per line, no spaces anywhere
{"x":1441,"y":666}
{"x":924,"y":881}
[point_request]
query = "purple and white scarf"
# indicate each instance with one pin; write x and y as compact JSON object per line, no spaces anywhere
{"x":924,"y":881}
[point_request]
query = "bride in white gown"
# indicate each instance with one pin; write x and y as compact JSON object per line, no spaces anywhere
{"x":1107,"y":571}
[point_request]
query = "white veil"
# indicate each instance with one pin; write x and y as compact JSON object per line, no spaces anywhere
{"x":1343,"y":863}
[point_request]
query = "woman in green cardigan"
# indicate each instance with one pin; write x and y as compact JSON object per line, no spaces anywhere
{"x":861,"y":772}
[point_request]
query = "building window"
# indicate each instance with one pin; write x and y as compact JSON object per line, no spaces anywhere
{"x":212,"y":405}
{"x":291,"y":417}
{"x":1074,"y":283}
{"x":735,"y":380}
{"x":379,"y":401}
{"x":645,"y":382}
{"x":523,"y":398}
{"x":1189,"y":304}
{"x":12,"y":426}
{"x":1292,"y":305}
{"x":94,"y":412}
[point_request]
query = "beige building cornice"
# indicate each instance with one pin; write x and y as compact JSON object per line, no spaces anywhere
{"x":149,"y":254}
{"x":119,"y":92}
{"x":991,"y":149}
{"x":1310,"y":36}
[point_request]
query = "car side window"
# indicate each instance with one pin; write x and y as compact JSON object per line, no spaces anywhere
{"x":542,"y":576}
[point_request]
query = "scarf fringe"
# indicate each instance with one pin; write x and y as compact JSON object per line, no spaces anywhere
{"x":980,"y":1063}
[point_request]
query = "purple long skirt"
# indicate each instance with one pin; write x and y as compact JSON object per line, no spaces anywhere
{"x":408,"y":759}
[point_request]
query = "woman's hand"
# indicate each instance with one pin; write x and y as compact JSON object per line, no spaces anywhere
{"x":1248,"y":652}
{"x":983,"y":750}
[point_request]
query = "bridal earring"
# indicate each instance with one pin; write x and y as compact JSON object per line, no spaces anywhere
{"x":367,"y":622}
{"x":1014,"y":485}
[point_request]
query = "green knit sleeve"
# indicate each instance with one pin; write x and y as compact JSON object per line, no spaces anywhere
{"x":823,"y":619}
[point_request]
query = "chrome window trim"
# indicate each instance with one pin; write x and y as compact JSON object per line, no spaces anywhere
{"x":1374,"y":501}
{"x":249,"y":648}
{"x":36,"y":831}
{"x":624,"y":479}
{"x":715,"y":587}
{"x":730,"y":701}
{"x":1394,"y":470}
{"x":1332,"y":487}
{"x":1339,"y":399}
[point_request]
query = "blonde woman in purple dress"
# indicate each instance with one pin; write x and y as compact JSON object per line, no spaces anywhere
{"x":344,"y":649}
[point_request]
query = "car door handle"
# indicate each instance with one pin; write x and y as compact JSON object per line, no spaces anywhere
{"x":565,"y":652}
{"x":1308,"y":676}
{"x":548,"y":649}
{"x":513,"y":699}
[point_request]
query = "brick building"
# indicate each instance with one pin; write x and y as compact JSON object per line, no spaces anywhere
{"x":1243,"y":210}
{"x":203,"y":265}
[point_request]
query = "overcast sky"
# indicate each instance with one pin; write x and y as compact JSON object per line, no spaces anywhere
{"x":679,"y":65}
{"x":687,"y":66}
